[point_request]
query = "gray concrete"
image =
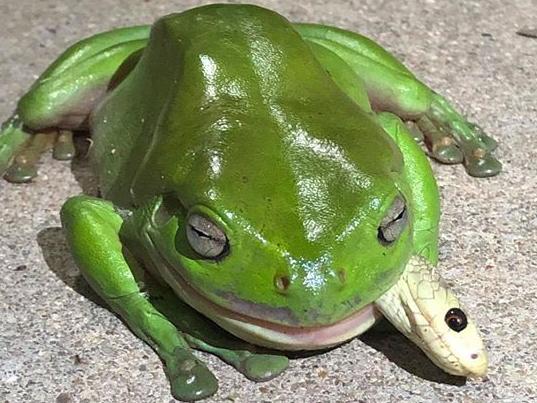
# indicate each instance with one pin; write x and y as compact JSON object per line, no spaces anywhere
{"x":56,"y":344}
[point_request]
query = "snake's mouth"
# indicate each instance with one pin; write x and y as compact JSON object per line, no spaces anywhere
{"x":265,"y":332}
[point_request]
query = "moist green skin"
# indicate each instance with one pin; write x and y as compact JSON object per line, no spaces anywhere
{"x":264,"y":127}
{"x":284,"y":176}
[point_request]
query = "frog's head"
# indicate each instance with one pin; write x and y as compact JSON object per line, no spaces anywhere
{"x":285,"y":237}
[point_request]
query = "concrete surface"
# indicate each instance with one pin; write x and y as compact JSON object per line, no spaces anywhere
{"x":56,"y":344}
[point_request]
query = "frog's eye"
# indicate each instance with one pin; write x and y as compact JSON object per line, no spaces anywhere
{"x":393,"y":223}
{"x":206,"y":238}
{"x":456,"y":319}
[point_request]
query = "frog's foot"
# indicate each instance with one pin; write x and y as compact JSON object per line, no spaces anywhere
{"x":391,"y":87}
{"x":189,"y":377}
{"x":451,"y":139}
{"x":12,"y":138}
{"x":256,"y":367}
{"x":64,"y":148}
{"x":20,"y":151}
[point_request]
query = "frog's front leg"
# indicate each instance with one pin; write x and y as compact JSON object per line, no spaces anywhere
{"x":204,"y":335}
{"x":393,"y":88}
{"x":62,"y":98}
{"x":93,"y":227}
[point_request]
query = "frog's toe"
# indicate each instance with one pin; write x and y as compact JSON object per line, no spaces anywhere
{"x":453,"y":139}
{"x":481,"y":164}
{"x":442,"y":146}
{"x":263,"y":367}
{"x":446,"y":151}
{"x":64,"y":148}
{"x":23,"y":167}
{"x":190,"y":378}
{"x":415,"y":131}
{"x":22,"y":170}
{"x":487,"y":142}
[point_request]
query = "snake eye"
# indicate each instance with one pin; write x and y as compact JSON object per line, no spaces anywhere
{"x":456,"y":319}
{"x":206,"y":238}
{"x":393,"y":223}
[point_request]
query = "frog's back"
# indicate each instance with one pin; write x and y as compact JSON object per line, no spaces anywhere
{"x":221,"y":91}
{"x":185,"y":71}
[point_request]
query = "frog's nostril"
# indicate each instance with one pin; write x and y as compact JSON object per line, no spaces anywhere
{"x":474,"y":356}
{"x":282,"y":283}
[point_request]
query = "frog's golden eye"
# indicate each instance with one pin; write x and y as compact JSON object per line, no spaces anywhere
{"x":206,"y":238}
{"x":393,"y":223}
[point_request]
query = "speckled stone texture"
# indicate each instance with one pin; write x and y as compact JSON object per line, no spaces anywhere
{"x":57,"y":344}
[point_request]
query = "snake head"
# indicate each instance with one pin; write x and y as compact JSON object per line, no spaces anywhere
{"x":424,"y":309}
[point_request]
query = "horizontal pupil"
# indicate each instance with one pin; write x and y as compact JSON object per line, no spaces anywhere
{"x":199,"y":232}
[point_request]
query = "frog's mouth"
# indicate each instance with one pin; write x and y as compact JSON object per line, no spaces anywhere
{"x":270,"y":334}
{"x":283,"y":337}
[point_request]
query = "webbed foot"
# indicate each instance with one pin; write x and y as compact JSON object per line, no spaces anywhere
{"x":12,"y":138}
{"x":451,"y":139}
{"x":20,"y":150}
{"x":64,"y":148}
{"x":263,"y":367}
{"x":256,"y":367}
{"x":190,"y":379}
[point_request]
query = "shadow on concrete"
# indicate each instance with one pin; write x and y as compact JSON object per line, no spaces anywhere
{"x":384,"y":337}
{"x":58,"y":257}
{"x":81,"y":165}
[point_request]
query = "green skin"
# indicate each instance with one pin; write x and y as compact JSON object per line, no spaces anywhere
{"x":288,"y":137}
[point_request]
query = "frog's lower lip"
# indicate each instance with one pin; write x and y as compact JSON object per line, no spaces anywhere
{"x":270,"y":334}
{"x":274,"y":335}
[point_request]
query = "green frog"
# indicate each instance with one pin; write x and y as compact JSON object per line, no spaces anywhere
{"x":266,"y":173}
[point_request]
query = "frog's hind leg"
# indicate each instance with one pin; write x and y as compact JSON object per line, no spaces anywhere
{"x":62,"y":99}
{"x":391,"y":87}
